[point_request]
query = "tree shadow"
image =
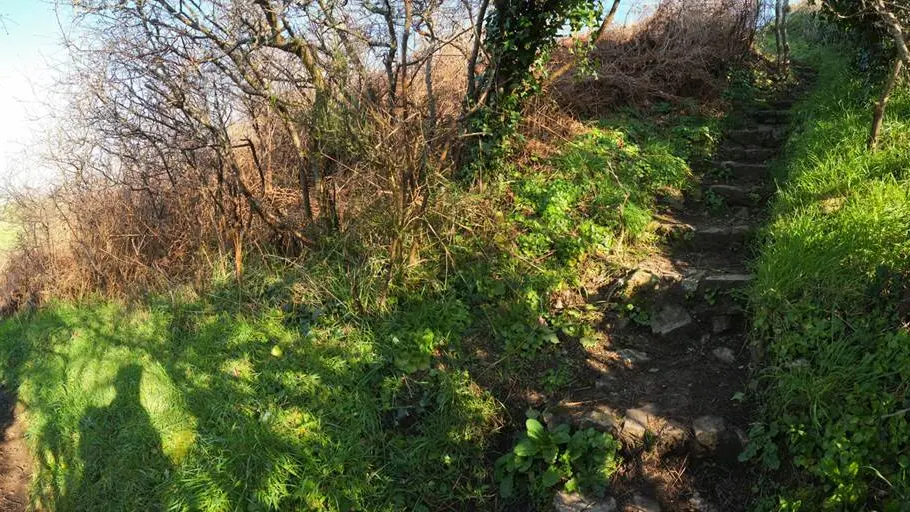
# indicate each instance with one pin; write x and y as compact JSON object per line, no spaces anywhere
{"x":124,"y":464}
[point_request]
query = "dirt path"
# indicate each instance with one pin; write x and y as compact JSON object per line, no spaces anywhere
{"x":670,"y":384}
{"x":15,"y":463}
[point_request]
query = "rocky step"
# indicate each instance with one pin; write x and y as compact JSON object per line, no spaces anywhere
{"x":675,"y":305}
{"x":748,"y":154}
{"x":764,"y":135}
{"x":743,"y":170}
{"x":739,"y":195}
{"x":781,"y":103}
{"x":644,"y":286}
{"x":705,"y":237}
{"x":776,"y":100}
{"x":703,"y":436}
{"x":637,"y":502}
{"x":771,"y":116}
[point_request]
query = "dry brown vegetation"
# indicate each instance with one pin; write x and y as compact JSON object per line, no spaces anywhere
{"x":196,"y":135}
{"x":681,"y":51}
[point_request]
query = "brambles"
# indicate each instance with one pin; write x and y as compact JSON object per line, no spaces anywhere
{"x":682,"y":51}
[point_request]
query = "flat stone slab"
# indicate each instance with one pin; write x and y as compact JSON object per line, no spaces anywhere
{"x":724,"y":354}
{"x":574,"y":502}
{"x":603,"y":419}
{"x":630,"y":356}
{"x":639,"y":421}
{"x":641,"y":503}
{"x":721,"y":323}
{"x":723,"y":282}
{"x":739,"y":196}
{"x":641,"y":280}
{"x":749,"y":154}
{"x":670,"y":318}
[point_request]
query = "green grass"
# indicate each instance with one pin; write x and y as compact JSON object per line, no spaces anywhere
{"x":830,"y":301}
{"x":188,"y":406}
{"x":310,"y":388}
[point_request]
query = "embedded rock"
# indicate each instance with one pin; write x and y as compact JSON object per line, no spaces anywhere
{"x":709,"y":430}
{"x":670,"y":318}
{"x":573,"y":502}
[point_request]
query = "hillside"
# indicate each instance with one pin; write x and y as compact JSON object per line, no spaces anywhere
{"x":660,"y":272}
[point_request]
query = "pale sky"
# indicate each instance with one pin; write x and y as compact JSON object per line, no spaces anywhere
{"x":30,"y":55}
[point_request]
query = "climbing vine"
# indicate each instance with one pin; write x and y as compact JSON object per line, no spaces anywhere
{"x":518,"y":38}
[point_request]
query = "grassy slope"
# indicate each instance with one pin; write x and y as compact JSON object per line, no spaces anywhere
{"x":303,"y":390}
{"x":831,"y":295}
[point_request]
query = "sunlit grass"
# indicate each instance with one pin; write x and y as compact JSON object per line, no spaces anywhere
{"x":329,"y":385}
{"x":187,"y":407}
{"x":832,"y":276}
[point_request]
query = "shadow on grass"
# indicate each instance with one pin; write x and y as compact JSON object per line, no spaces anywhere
{"x":105,"y":433}
{"x":185,"y":406}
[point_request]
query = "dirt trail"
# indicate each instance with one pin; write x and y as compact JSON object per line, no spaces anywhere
{"x":670,"y":384}
{"x":15,"y":463}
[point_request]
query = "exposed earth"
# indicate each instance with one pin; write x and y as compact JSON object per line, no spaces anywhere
{"x":15,"y":463}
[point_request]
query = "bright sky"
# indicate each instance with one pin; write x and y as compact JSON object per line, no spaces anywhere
{"x":30,"y":53}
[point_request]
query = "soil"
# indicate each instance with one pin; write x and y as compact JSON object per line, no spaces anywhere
{"x":15,"y":462}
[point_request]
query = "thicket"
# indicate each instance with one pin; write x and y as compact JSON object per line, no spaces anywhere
{"x":198,"y":133}
{"x":831,"y":298}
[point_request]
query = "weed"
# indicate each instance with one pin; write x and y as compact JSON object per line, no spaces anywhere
{"x":546,"y":456}
{"x":555,"y":379}
{"x":715,"y":202}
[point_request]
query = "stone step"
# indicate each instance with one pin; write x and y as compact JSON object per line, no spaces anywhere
{"x":701,"y":436}
{"x":739,"y":195}
{"x":708,"y":237}
{"x":725,"y":282}
{"x":765,"y":135}
{"x":748,"y":154}
{"x":777,"y":100}
{"x":743,"y":170}
{"x":678,"y":303}
{"x":772,"y":116}
{"x":782,"y":103}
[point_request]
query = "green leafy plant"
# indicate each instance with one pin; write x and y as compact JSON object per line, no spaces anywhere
{"x":545,"y":457}
{"x":415,"y":353}
{"x":635,"y":313}
{"x":714,"y":201}
{"x":555,"y":378}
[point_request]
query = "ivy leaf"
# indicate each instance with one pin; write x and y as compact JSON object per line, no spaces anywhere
{"x":571,"y":485}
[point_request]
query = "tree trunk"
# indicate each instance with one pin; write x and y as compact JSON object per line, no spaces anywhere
{"x":784,"y":38}
{"x":608,"y":20}
{"x":777,"y":25}
{"x":879,"y":115}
